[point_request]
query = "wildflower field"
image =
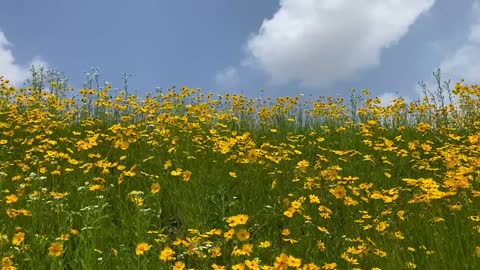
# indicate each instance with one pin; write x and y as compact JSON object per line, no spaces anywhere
{"x":192,"y":180}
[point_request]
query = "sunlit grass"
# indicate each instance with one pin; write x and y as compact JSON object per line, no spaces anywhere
{"x":191,"y":180}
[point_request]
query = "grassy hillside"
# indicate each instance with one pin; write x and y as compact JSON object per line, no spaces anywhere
{"x":191,"y":180}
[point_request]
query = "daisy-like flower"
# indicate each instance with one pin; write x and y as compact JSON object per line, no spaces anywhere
{"x":11,"y":199}
{"x":56,"y":249}
{"x":237,"y":220}
{"x":155,"y":188}
{"x":186,"y":175}
{"x":179,"y":266}
{"x":243,"y":235}
{"x":142,"y":248}
{"x":167,"y":254}
{"x":18,"y":238}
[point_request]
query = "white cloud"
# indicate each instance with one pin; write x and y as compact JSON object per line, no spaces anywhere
{"x":387,"y":98}
{"x":463,"y":63}
{"x":320,"y":42}
{"x":11,"y":70}
{"x":228,"y":78}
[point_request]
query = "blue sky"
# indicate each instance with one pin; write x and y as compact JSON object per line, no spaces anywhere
{"x":286,"y":47}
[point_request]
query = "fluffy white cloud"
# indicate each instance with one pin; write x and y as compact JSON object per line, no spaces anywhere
{"x":228,"y":78}
{"x":387,"y":98}
{"x":463,"y":63}
{"x":11,"y":70}
{"x":320,"y":42}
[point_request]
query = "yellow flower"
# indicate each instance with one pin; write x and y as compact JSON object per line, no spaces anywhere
{"x":294,"y":262}
{"x":11,"y":199}
{"x":237,"y":220}
{"x":238,"y":266}
{"x":155,"y":188}
{"x":252,"y":264}
{"x":177,"y":172}
{"x":382,"y":226}
{"x":7,"y":263}
{"x":228,"y":235}
{"x":18,"y":238}
{"x":329,"y":266}
{"x":243,"y":235}
{"x":303,"y":165}
{"x":56,"y":249}
{"x":323,"y":229}
{"x":399,"y":235}
{"x":167,"y":254}
{"x":286,"y":232}
{"x":137,"y":200}
{"x":339,"y":192}
{"x":178,"y":266}
{"x":314,"y":198}
{"x":410,"y":265}
{"x":121,"y":167}
{"x":167,"y":164}
{"x":58,"y":195}
{"x":349,"y":259}
{"x":217,"y":267}
{"x":95,"y":187}
{"x":216,"y":252}
{"x":265,"y":244}
{"x":129,"y":173}
{"x":232,"y":174}
{"x":321,"y":245}
{"x":379,"y":253}
{"x":186,"y":175}
{"x":142,"y":248}
{"x":281,"y":261}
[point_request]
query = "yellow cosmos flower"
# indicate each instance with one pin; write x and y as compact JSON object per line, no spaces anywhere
{"x":18,"y":238}
{"x":56,"y":249}
{"x":265,"y":244}
{"x":243,"y":235}
{"x":178,"y":266}
{"x":186,"y":175}
{"x":216,"y":252}
{"x":238,"y":266}
{"x":237,"y":220}
{"x":11,"y":199}
{"x":217,"y":267}
{"x":155,"y":188}
{"x":95,"y":187}
{"x":167,"y":254}
{"x":339,"y":192}
{"x":228,"y":235}
{"x":7,"y":263}
{"x":142,"y":248}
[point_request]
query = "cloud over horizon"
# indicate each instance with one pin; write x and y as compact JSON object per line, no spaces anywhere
{"x":463,"y":63}
{"x":318,"y":43}
{"x":11,"y":70}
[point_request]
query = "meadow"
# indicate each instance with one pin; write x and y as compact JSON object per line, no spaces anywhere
{"x":184,"y":179}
